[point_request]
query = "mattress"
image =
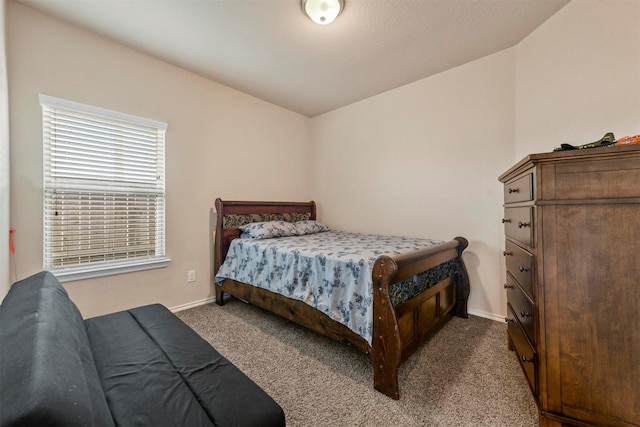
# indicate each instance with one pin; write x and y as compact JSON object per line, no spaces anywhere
{"x":330,"y":271}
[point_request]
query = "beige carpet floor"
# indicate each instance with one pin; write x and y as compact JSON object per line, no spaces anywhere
{"x":462,"y":376}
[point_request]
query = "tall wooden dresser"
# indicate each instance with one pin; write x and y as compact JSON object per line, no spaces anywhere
{"x":572,"y":254}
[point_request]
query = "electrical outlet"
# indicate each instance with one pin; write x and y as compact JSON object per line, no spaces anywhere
{"x":191,"y":276}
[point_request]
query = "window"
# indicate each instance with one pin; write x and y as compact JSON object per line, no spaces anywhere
{"x":104,"y":191}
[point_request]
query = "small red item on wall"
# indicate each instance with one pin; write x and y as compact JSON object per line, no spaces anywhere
{"x":12,"y":246}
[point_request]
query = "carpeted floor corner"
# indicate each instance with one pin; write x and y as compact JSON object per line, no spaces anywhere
{"x":463,"y":376}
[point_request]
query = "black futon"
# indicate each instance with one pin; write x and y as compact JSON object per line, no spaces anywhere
{"x":142,"y":367}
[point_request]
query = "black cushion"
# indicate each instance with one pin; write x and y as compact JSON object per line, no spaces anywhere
{"x":155,"y":370}
{"x":138,"y":367}
{"x":47,"y":372}
{"x":227,"y":394}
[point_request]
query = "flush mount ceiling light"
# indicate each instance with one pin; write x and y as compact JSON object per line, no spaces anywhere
{"x":322,"y":11}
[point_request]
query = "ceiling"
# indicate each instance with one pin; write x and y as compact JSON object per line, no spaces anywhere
{"x":271,"y":50}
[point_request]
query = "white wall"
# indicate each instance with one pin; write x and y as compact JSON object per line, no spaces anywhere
{"x":219,"y":143}
{"x":578,"y":76}
{"x":423,"y":160}
{"x":4,"y":159}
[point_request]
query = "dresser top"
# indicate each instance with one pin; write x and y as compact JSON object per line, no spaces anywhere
{"x":571,"y":156}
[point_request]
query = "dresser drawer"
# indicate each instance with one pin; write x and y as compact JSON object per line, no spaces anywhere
{"x":522,"y":306}
{"x":520,"y":264}
{"x":525,"y":352}
{"x":518,"y":224}
{"x":602,"y":178}
{"x":519,"y":190}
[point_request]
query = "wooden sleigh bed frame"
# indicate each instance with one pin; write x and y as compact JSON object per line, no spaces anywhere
{"x":397,"y":331}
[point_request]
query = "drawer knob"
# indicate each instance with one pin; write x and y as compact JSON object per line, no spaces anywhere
{"x":523,"y":269}
{"x":523,"y":224}
{"x":523,"y":314}
{"x":507,"y":320}
{"x":505,"y":220}
{"x":508,"y":286}
{"x":526,"y":360}
{"x":514,"y":190}
{"x":505,"y":253}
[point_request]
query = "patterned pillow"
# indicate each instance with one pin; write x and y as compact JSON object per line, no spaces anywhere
{"x":309,"y":227}
{"x":268,"y":229}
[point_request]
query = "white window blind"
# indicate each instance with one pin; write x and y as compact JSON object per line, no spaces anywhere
{"x":104,"y":190}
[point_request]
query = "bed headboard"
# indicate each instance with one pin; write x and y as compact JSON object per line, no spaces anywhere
{"x":230,"y":215}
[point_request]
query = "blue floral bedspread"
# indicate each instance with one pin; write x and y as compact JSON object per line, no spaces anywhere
{"x":330,"y":271}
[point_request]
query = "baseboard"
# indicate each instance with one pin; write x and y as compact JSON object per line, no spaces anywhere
{"x":492,"y":316}
{"x":210,"y":300}
{"x":192,"y":304}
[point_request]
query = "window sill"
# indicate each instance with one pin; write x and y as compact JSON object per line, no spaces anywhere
{"x":70,"y":274}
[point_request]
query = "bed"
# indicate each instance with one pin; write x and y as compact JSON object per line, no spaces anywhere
{"x":411,"y":293}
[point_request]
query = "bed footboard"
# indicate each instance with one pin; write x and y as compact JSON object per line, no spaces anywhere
{"x":399,"y":331}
